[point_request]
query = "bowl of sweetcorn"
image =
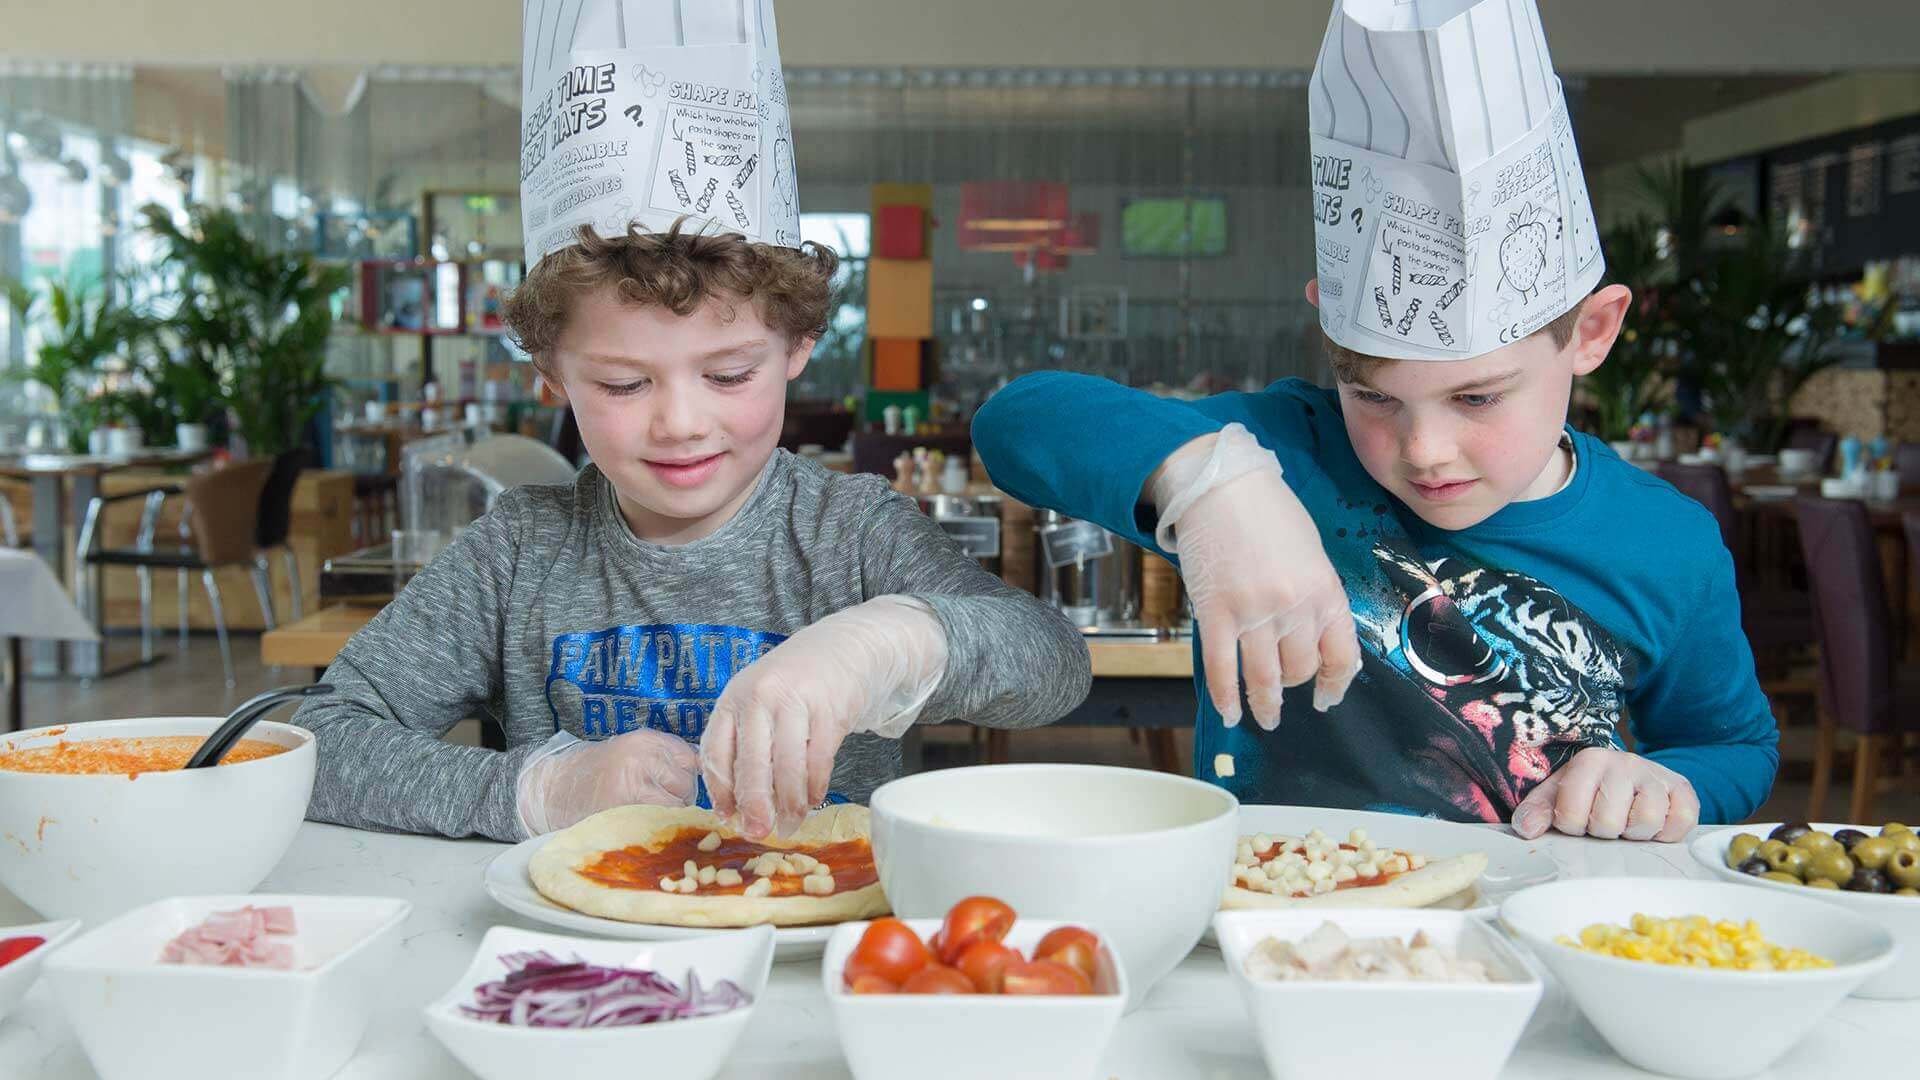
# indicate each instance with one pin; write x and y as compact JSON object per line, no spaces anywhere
{"x":1655,"y":962}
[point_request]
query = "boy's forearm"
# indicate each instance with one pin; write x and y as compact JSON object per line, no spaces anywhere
{"x":374,"y":772}
{"x":1012,"y":662}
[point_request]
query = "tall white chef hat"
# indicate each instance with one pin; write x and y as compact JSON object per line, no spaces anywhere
{"x":649,"y":110}
{"x":1450,"y":214}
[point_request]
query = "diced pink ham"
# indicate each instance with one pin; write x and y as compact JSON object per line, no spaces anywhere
{"x":236,"y":939}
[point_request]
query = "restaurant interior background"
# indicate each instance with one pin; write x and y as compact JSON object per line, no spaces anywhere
{"x":1164,"y":147}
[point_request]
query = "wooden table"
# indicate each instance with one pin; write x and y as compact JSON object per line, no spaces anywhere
{"x":61,"y":481}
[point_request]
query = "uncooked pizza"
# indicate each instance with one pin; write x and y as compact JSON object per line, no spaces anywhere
{"x":1316,"y":870}
{"x":680,"y":866}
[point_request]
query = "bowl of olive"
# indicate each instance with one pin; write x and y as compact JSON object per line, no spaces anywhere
{"x":1874,"y":870}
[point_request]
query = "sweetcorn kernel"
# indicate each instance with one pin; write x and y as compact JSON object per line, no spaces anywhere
{"x":1693,"y":941}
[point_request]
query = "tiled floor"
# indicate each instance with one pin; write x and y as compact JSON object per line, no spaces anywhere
{"x":190,"y":683}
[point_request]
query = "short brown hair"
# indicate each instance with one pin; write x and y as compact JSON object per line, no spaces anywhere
{"x":1351,"y":367}
{"x":680,"y":269}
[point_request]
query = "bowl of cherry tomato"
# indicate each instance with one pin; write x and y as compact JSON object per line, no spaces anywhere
{"x":22,"y":948}
{"x":1037,"y":997}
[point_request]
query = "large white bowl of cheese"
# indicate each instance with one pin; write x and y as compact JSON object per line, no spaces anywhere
{"x":1142,"y":855}
{"x":94,"y":845}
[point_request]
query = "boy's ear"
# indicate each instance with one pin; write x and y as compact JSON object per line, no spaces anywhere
{"x":551,"y":392}
{"x":1313,"y":292}
{"x":798,"y":356}
{"x":1594,"y":333}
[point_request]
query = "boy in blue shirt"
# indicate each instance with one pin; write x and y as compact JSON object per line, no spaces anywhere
{"x":1514,"y":592}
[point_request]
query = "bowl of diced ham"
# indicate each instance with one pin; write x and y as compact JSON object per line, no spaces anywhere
{"x":104,"y":819}
{"x":266,"y":987}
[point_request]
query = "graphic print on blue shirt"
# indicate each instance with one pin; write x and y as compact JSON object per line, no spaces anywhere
{"x":664,"y":676}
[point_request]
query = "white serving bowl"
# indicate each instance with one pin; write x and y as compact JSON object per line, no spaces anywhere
{"x":1794,"y":463}
{"x":140,"y":1019}
{"x":1695,"y":1022}
{"x":683,"y":1049}
{"x":16,"y":977}
{"x":93,"y":846}
{"x":1900,"y":915}
{"x":1437,"y":1031}
{"x":1008,"y":1037}
{"x":1143,"y":855}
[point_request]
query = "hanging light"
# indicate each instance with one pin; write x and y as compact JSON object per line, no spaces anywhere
{"x":42,"y":139}
{"x":1013,"y":205}
{"x":76,"y":169}
{"x":15,"y":199}
{"x":114,"y":169}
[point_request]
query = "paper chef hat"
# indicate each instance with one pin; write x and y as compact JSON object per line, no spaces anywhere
{"x":649,"y":110}
{"x":1450,"y":214}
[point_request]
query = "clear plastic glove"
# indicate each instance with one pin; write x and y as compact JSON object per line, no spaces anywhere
{"x":1610,"y":794}
{"x":1257,"y":575}
{"x":572,"y":779}
{"x":769,"y":747}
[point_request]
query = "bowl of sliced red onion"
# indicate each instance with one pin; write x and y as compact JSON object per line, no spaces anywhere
{"x":534,"y":1004}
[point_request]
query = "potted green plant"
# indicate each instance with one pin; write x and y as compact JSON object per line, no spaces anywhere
{"x":1635,"y":380}
{"x":256,"y":318}
{"x":80,"y":330}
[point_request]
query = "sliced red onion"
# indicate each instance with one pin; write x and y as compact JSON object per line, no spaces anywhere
{"x":543,"y":992}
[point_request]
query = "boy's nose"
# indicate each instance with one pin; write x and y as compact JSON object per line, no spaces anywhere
{"x":677,"y":416}
{"x":1426,"y":445}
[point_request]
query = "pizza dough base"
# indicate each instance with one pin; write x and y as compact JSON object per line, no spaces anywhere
{"x":553,"y":871}
{"x":1439,"y":879}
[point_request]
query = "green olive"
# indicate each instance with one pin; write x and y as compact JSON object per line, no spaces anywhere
{"x":1789,"y":832}
{"x":1767,"y":848}
{"x":1742,"y":848}
{"x":1821,"y":883}
{"x":1873,"y":852}
{"x":1817,"y":841}
{"x":1894,"y":828}
{"x":1790,"y":860}
{"x":1903,"y":869}
{"x":1906,"y":892}
{"x":1834,"y":866}
{"x":1904,"y":842}
{"x":1775,"y":875}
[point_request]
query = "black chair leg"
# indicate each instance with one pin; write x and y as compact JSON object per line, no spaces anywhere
{"x":17,"y":694}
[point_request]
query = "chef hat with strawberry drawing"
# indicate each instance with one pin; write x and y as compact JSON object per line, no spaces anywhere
{"x":1450,"y":214}
{"x":644,"y":111}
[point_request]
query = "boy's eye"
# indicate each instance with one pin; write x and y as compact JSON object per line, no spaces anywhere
{"x":732,"y":378}
{"x":1479,"y":401}
{"x":623,"y":389}
{"x":1372,"y":397}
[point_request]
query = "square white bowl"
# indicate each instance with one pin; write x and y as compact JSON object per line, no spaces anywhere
{"x":1664,"y":1018}
{"x":1899,"y":914}
{"x":16,"y":977}
{"x":683,"y":1049}
{"x":1006,"y":1036}
{"x":1437,"y":1031}
{"x":140,"y":1019}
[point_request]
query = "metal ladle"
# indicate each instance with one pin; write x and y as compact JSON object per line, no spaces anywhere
{"x":242,"y":719}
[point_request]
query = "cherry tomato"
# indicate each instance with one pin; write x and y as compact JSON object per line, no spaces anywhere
{"x":975,"y":919}
{"x":937,"y":979}
{"x":1072,"y":946}
{"x":889,"y":949}
{"x":872,"y":984}
{"x":16,"y":947}
{"x":1044,"y":977}
{"x":985,"y":962}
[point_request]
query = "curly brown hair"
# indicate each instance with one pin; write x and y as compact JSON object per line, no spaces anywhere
{"x":1351,"y":367}
{"x":680,"y":269}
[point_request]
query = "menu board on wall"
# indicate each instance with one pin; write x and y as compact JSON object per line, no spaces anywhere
{"x":1850,"y":198}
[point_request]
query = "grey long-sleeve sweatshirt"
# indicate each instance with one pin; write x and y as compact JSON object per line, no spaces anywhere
{"x":549,"y":614}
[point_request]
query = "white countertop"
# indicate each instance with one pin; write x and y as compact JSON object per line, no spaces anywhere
{"x":1192,"y":1026}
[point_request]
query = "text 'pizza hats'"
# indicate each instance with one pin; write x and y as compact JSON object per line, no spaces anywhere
{"x":1450,"y":214}
{"x":649,"y":110}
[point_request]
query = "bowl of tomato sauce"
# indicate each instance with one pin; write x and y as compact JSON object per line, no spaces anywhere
{"x":99,"y":818}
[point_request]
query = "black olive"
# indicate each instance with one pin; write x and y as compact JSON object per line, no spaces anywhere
{"x":1869,"y":880}
{"x":1849,"y":837}
{"x":1790,"y":832}
{"x":1755,"y":866}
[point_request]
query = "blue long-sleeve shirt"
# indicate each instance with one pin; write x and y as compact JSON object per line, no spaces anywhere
{"x":1492,"y":654}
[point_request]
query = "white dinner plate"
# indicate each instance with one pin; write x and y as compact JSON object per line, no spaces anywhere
{"x":1513,"y":864}
{"x":507,"y":882}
